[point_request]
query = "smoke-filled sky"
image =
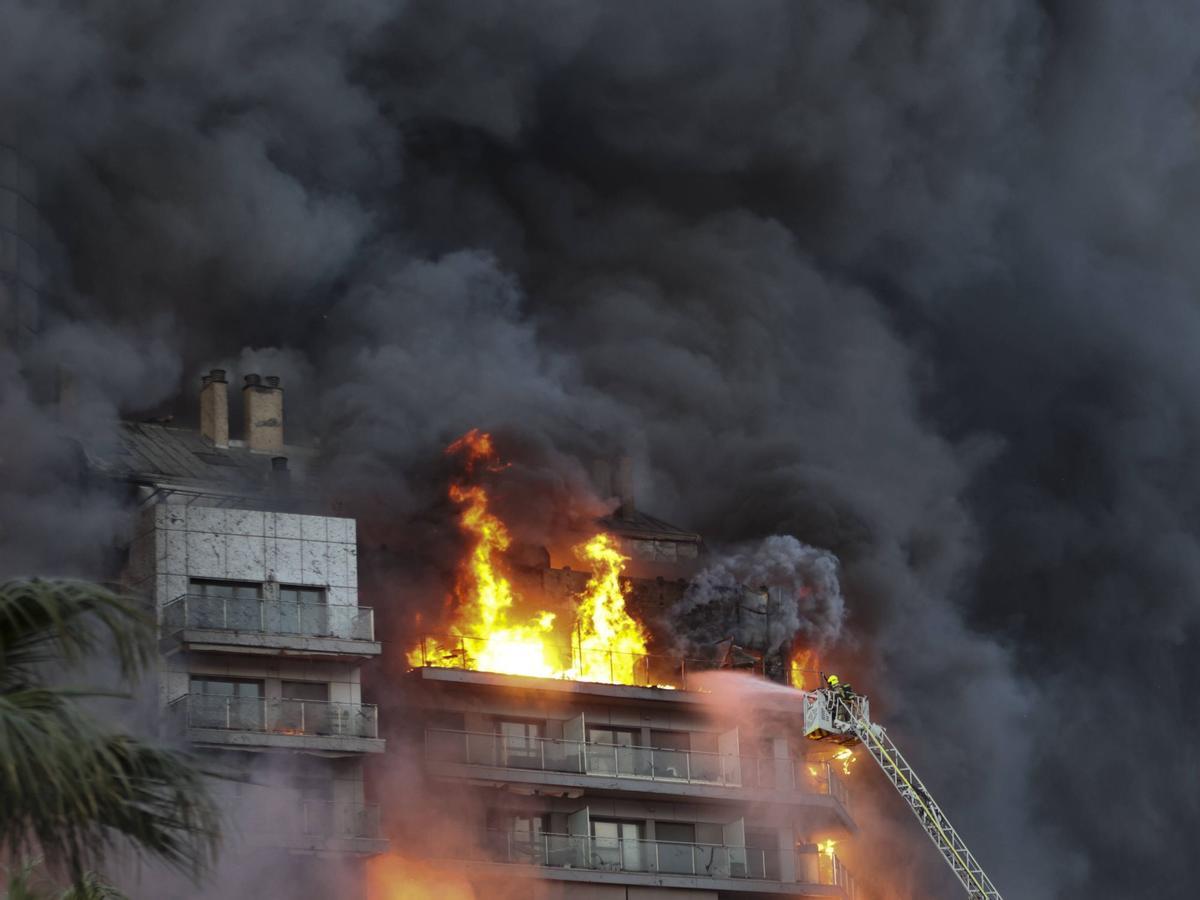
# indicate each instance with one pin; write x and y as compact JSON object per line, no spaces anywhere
{"x":913,"y":282}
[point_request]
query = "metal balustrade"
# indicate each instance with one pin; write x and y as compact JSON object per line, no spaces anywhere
{"x":646,"y":763}
{"x":276,"y":715}
{"x":339,"y":820}
{"x":442,"y":651}
{"x":804,"y":865}
{"x":263,"y":616}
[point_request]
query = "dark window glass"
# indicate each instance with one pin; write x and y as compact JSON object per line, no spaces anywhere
{"x":226,"y":687}
{"x":231,"y":590}
{"x":293,"y":594}
{"x":304,"y":690}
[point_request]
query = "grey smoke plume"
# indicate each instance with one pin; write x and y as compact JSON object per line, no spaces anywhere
{"x":913,"y":282}
{"x":765,"y":595}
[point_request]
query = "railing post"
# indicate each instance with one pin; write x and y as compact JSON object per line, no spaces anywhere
{"x":721,"y":757}
{"x":683,"y":672}
{"x":224,"y":613}
{"x":687,"y":765}
{"x":612,"y":670}
{"x":542,"y":747}
{"x":302,"y":720}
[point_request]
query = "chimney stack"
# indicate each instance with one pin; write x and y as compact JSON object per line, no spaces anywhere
{"x":214,"y":408}
{"x":263,"y":403}
{"x":623,"y":487}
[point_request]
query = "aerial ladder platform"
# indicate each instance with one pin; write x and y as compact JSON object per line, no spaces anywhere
{"x":844,"y":717}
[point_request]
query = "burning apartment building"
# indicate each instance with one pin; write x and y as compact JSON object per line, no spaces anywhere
{"x":255,"y":587}
{"x":580,"y":752}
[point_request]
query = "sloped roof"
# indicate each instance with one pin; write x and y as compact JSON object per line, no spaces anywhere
{"x":152,"y":452}
{"x":642,"y":526}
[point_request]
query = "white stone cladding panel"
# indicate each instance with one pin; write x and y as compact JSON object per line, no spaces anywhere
{"x":246,"y":557}
{"x":287,"y":525}
{"x":206,"y":518}
{"x":205,"y":554}
{"x":285,"y":566}
{"x":314,"y":562}
{"x":245,"y":521}
{"x":312,"y":528}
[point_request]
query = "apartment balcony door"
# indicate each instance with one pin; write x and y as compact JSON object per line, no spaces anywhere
{"x":617,"y":845}
{"x":231,"y":703}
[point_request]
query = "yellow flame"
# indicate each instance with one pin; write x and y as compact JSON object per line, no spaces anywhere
{"x":827,"y":847}
{"x":847,"y":758}
{"x":607,"y":643}
{"x":802,"y":670}
{"x":611,"y":642}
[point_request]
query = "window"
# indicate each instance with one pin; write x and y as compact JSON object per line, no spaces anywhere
{"x":234,"y":703}
{"x":307,"y":595}
{"x":762,"y":853}
{"x":305,"y":690}
{"x":520,"y":743}
{"x":670,"y":759}
{"x":613,"y":751}
{"x":225,"y":605}
{"x":617,"y":845}
{"x":232,"y":590}
{"x":226,"y":687}
{"x":303,"y":708}
{"x":676,"y":847}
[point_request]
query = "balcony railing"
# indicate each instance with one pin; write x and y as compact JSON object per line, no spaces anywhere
{"x":261,"y":616}
{"x":339,"y":820}
{"x":574,"y":663}
{"x":804,"y":865}
{"x":276,"y":716}
{"x":635,"y":762}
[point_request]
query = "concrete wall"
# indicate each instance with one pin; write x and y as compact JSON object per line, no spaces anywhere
{"x":174,"y":543}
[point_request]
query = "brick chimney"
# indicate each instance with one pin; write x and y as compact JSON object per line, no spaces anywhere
{"x":623,"y":487}
{"x":262,"y":399}
{"x":214,"y":408}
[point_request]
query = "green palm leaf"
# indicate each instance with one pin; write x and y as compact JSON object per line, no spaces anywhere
{"x":70,"y":789}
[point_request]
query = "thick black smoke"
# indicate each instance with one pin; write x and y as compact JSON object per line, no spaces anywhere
{"x":911,"y":281}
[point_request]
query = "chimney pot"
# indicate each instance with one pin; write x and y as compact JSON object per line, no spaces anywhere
{"x":272,"y":381}
{"x":263,"y":408}
{"x":214,"y":408}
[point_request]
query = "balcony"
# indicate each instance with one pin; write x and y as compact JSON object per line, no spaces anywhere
{"x":440,"y":651}
{"x":805,"y":870}
{"x":274,"y":627}
{"x":275,"y":722}
{"x":634,"y":769}
{"x":315,"y":826}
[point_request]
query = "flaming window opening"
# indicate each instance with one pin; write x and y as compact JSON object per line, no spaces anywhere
{"x":604,"y":642}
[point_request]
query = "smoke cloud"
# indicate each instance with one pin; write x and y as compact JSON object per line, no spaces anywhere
{"x":911,"y":282}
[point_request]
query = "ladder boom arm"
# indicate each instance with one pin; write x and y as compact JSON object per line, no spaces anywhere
{"x":851,"y":712}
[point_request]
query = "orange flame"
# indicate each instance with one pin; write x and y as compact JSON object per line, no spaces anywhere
{"x":802,"y":671}
{"x":606,"y":643}
{"x":392,"y":877}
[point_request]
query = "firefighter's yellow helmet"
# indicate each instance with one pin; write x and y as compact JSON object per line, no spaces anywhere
{"x":833,"y":680}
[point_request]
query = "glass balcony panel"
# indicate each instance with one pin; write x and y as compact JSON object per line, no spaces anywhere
{"x":260,"y":616}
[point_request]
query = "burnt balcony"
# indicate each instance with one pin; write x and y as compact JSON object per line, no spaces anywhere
{"x":274,"y":627}
{"x":806,"y":870}
{"x":633,"y":769}
{"x":276,"y":722}
{"x":569,"y":662}
{"x":318,"y":826}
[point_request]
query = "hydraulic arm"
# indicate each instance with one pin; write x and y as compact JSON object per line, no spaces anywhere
{"x":841,"y":717}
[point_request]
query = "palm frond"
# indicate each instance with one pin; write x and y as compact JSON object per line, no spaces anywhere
{"x":69,"y":789}
{"x":56,"y":620}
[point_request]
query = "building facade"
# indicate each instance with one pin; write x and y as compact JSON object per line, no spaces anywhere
{"x":261,"y":633}
{"x":622,"y":792}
